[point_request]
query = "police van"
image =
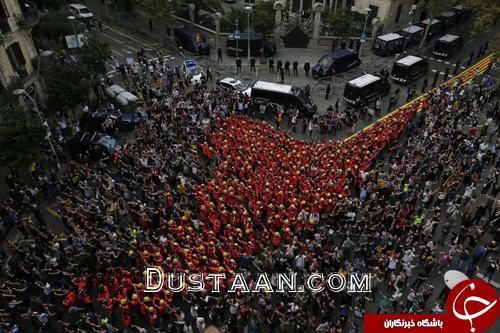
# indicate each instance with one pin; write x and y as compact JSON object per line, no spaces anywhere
{"x":408,"y":69}
{"x":365,"y":88}
{"x":436,"y":27}
{"x":285,"y":95}
{"x":448,"y":45}
{"x":449,"y":19}
{"x":388,"y":44}
{"x":413,"y":33}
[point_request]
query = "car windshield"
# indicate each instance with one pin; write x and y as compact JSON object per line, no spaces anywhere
{"x":300,"y":94}
{"x":399,"y":70}
{"x":84,"y":11}
{"x":192,"y":69}
{"x":442,"y":46}
{"x":242,"y":86}
{"x":325,"y":61}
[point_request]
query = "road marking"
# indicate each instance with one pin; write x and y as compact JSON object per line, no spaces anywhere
{"x":121,"y":55}
{"x":432,"y":58}
{"x":470,"y":41}
{"x":52,"y":211}
{"x":127,"y":51}
{"x":113,"y":38}
{"x":446,"y":62}
{"x":462,"y":67}
{"x":111,"y":72}
{"x":442,"y":73}
{"x":439,"y":60}
{"x":133,"y":48}
{"x":493,"y":283}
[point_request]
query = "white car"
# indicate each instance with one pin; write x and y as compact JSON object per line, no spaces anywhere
{"x":237,"y":85}
{"x":80,"y":11}
{"x":190,"y":68}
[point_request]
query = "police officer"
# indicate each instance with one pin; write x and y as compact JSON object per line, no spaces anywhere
{"x":295,"y":65}
{"x":287,"y":67}
{"x":307,"y":67}
{"x":252,"y":64}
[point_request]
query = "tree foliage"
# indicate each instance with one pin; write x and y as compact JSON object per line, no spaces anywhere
{"x":433,"y":8}
{"x":55,"y":24}
{"x":486,"y":13}
{"x":20,"y":136}
{"x":228,"y":21}
{"x":67,"y":86}
{"x":340,"y":23}
{"x":50,"y":4}
{"x":262,"y":18}
{"x":160,"y":9}
{"x":93,"y":56}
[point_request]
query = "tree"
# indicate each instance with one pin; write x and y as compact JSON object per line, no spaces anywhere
{"x":262,"y":18}
{"x":432,"y":8}
{"x":50,"y":4}
{"x":228,"y":21}
{"x":486,"y":13}
{"x":160,"y":9}
{"x":93,"y":56}
{"x":340,"y":23}
{"x":55,"y":24}
{"x":67,"y":86}
{"x":20,"y":136}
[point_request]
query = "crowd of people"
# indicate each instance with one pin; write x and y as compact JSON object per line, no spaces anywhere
{"x":205,"y":187}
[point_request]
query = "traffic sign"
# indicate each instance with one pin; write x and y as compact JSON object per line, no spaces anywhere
{"x":237,"y":34}
{"x":362,"y":39}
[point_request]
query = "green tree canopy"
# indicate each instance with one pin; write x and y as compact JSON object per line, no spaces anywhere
{"x":67,"y":86}
{"x":486,"y":16}
{"x":160,"y":9}
{"x":262,"y":18}
{"x":55,"y":24}
{"x":433,"y":8}
{"x":20,"y":136}
{"x":339,"y":23}
{"x":93,"y":56}
{"x":228,"y":21}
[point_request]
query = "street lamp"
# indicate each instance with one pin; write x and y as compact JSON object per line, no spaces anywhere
{"x":19,"y":92}
{"x":237,"y":36}
{"x":412,"y":13}
{"x":368,"y":11}
{"x":72,"y":19}
{"x":248,"y":10}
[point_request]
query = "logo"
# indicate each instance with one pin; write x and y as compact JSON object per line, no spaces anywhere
{"x":475,"y":302}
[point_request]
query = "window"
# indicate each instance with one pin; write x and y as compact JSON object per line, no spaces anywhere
{"x":4,"y":15}
{"x":374,"y":12}
{"x":398,"y":13}
{"x":16,"y":58}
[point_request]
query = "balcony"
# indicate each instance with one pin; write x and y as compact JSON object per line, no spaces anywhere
{"x":6,"y":95}
{"x":29,"y":17}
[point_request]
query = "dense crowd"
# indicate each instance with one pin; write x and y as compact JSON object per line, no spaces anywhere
{"x":204,"y":187}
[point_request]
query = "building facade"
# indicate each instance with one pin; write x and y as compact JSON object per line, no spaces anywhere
{"x":18,"y":55}
{"x":393,"y":14}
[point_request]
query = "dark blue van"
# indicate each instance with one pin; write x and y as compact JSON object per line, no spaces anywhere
{"x":335,"y":63}
{"x":191,"y":40}
{"x":258,"y":46}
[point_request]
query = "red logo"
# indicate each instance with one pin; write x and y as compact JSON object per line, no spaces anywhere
{"x":473,"y":303}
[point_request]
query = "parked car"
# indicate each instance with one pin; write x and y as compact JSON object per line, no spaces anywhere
{"x":81,"y":12}
{"x":96,"y":121}
{"x":335,"y":63}
{"x":237,"y":85}
{"x":190,"y":68}
{"x":94,"y":144}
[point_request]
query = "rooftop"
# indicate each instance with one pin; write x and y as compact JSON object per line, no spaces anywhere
{"x":409,"y":60}
{"x":389,"y":37}
{"x":448,"y":38}
{"x":363,"y":80}
{"x":282,"y":88}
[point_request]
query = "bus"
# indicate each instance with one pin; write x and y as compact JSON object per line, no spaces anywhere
{"x":408,"y":69}
{"x":286,"y":95}
{"x":365,"y":89}
{"x":448,"y":45}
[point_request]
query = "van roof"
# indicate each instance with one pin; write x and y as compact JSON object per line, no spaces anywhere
{"x":408,"y":60}
{"x":78,"y":5}
{"x":448,"y":38}
{"x":412,"y":29}
{"x":459,"y":7}
{"x":434,"y":21}
{"x":186,"y":29}
{"x":340,"y":53}
{"x":278,"y":87}
{"x":447,"y":14}
{"x":363,"y":80}
{"x":389,"y":37}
